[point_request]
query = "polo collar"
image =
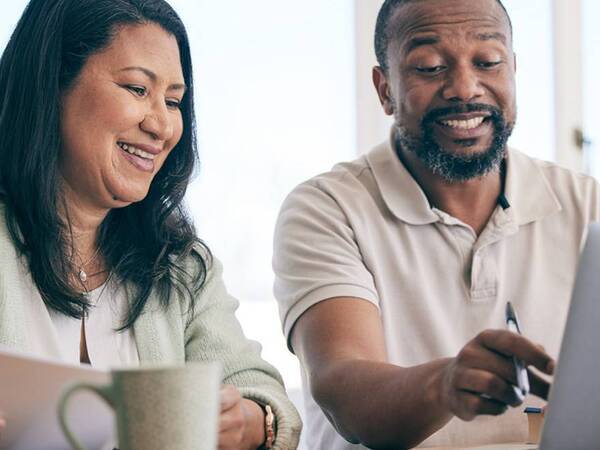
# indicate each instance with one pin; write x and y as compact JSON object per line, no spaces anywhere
{"x":401,"y":193}
{"x":527,"y":190}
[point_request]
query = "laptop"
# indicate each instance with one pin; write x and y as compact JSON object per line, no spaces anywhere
{"x":571,"y":421}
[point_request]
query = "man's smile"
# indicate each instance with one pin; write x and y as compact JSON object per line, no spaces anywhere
{"x":464,"y":126}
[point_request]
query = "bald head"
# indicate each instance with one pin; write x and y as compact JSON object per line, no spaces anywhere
{"x":384,"y":32}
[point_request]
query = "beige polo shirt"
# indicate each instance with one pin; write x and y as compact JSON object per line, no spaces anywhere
{"x":366,"y":230}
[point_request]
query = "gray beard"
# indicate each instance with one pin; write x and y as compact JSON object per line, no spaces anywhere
{"x":449,"y":166}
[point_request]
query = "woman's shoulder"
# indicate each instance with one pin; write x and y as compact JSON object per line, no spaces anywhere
{"x":5,"y":239}
{"x":198,"y":259}
{"x":8,"y":251}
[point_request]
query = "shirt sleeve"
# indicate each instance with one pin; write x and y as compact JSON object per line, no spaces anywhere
{"x":214,"y":334}
{"x":316,"y":254}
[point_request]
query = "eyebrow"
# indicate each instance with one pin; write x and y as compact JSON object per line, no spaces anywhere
{"x":492,"y":36}
{"x":421,"y":41}
{"x":152,"y":76}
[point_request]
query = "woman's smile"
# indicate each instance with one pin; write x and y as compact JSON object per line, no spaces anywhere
{"x":140,"y":158}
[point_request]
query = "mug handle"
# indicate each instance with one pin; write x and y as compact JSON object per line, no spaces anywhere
{"x":105,"y":392}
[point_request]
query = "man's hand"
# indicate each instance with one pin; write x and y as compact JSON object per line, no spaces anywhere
{"x":480,"y":379}
{"x":241,"y":423}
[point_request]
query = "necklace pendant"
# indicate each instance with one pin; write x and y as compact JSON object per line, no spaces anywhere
{"x":82,"y":276}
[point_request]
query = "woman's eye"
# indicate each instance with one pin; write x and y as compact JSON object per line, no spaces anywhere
{"x":138,"y":90}
{"x":431,"y":69}
{"x":173,"y":104}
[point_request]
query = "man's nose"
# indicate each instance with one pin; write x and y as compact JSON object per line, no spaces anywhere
{"x":157,"y":122}
{"x":462,"y":84}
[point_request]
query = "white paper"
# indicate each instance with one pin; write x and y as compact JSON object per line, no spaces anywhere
{"x":30,"y":389}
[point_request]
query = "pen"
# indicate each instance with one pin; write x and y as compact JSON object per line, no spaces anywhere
{"x":512,"y":323}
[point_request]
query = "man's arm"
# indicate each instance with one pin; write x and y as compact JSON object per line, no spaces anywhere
{"x":340,"y":343}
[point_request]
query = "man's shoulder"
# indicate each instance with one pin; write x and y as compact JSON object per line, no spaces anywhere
{"x":560,"y":178}
{"x":353,"y":178}
{"x":544,"y":185}
{"x":342,"y":173}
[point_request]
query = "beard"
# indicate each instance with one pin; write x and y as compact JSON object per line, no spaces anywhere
{"x":450,"y":166}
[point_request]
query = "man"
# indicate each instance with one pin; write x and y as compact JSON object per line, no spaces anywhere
{"x":393,"y":271}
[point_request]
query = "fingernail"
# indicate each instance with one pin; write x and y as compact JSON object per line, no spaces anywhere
{"x":518,"y":394}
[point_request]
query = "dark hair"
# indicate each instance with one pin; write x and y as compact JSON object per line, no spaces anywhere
{"x":382,"y":32}
{"x":144,"y":243}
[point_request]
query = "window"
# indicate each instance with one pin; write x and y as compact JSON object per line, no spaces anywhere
{"x":11,"y":11}
{"x":591,"y":71}
{"x":532,"y":23}
{"x":275,"y":91}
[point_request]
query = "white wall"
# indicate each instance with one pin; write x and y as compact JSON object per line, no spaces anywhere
{"x":591,"y":86}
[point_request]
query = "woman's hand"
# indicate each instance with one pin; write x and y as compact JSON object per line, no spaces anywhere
{"x":241,"y":423}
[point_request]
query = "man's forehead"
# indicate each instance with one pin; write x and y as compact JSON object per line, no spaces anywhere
{"x":420,"y":16}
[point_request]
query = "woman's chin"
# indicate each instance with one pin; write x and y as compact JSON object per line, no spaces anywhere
{"x":120,"y":198}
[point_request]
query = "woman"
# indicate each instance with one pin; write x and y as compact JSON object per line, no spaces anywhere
{"x":97,"y":147}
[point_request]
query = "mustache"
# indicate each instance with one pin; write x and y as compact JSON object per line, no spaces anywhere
{"x":435,"y":114}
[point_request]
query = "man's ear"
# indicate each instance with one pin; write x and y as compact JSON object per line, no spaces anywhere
{"x":515,"y":61}
{"x":383,"y":90}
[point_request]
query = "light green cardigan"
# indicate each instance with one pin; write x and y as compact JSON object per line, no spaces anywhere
{"x":171,"y":336}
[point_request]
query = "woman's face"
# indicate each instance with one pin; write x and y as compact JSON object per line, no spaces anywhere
{"x":121,"y":118}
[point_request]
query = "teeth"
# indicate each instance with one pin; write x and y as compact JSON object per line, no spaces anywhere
{"x":136,"y":151}
{"x":464,"y":124}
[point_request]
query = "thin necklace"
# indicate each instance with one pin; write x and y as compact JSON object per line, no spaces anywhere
{"x":82,"y":274}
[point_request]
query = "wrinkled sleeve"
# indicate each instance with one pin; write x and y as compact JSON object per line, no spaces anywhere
{"x":315,"y":252}
{"x":214,"y":334}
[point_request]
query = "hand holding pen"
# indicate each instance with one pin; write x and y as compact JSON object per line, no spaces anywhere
{"x":484,"y":378}
{"x":522,"y":388}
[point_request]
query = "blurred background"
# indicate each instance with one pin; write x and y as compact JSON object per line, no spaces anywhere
{"x":284,"y":92}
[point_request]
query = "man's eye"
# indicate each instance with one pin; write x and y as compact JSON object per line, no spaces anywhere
{"x":138,"y":90}
{"x":431,"y":69}
{"x":488,"y":64}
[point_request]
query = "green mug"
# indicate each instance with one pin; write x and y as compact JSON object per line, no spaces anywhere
{"x":175,"y":408}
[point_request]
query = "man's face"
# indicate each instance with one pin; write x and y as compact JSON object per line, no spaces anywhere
{"x":451,"y":84}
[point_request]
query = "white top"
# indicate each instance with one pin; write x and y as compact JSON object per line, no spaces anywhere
{"x":107,"y":348}
{"x":367,"y":230}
